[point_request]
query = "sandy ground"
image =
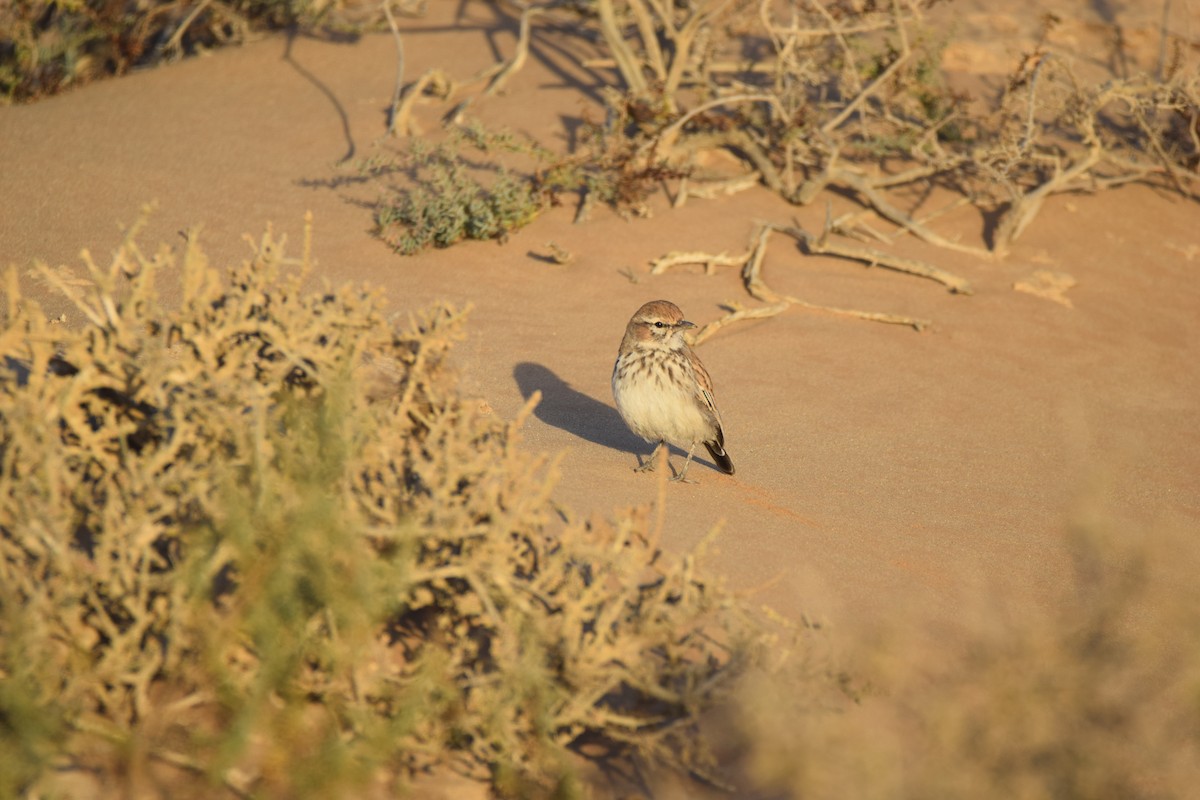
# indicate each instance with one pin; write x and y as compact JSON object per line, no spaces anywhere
{"x":879,"y":469}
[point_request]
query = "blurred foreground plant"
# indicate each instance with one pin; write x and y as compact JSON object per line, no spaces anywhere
{"x":1095,"y":694}
{"x":260,"y":542}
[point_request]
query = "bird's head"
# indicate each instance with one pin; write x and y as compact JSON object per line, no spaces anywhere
{"x":658,"y":324}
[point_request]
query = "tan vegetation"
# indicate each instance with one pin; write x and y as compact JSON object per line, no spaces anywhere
{"x":1095,"y":695}
{"x":809,"y":96}
{"x":262,"y":541}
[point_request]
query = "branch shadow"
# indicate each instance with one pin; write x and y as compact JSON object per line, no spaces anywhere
{"x":290,"y":39}
{"x":571,"y":410}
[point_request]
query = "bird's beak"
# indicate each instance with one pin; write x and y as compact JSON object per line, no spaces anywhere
{"x":685,"y":324}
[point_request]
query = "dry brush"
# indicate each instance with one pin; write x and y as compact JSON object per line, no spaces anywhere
{"x":259,"y":541}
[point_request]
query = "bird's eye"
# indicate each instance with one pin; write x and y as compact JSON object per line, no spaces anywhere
{"x":658,"y":325}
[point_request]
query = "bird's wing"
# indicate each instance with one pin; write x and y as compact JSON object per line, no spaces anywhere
{"x":704,"y":390}
{"x":704,"y":393}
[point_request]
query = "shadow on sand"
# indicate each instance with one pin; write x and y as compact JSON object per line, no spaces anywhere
{"x":573,"y":411}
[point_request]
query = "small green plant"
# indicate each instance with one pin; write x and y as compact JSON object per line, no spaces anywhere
{"x":448,"y":203}
{"x":484,"y":184}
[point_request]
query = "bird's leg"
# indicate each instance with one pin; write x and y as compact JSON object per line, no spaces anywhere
{"x":649,"y":464}
{"x":681,"y":477}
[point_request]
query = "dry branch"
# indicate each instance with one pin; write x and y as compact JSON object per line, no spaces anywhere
{"x":402,"y":123}
{"x":710,"y":189}
{"x":871,"y":257}
{"x":628,"y":65}
{"x":398,"y":89}
{"x":870,"y":192}
{"x":751,"y":263}
{"x":710,"y":261}
{"x":737,"y":313}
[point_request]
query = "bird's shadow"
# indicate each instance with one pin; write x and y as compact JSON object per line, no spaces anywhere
{"x":573,"y":411}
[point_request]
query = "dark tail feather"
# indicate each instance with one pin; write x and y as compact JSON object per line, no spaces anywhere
{"x":720,"y":457}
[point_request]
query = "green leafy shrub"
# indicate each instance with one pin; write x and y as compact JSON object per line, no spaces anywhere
{"x":47,"y":46}
{"x":259,"y":544}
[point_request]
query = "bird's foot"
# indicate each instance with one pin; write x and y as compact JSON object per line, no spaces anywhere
{"x":681,"y":476}
{"x":650,"y":463}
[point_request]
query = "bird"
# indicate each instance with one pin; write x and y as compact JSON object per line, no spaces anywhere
{"x":662,"y":391}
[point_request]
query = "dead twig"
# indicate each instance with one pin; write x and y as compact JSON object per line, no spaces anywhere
{"x":1026,"y":205}
{"x":738,"y":313}
{"x":675,"y":258}
{"x":751,"y":263}
{"x":822,"y":245}
{"x":739,"y":142}
{"x":708,"y":190}
{"x":665,"y":141}
{"x":512,"y":66}
{"x":869,"y":191}
{"x":402,"y":123}
{"x":628,"y":65}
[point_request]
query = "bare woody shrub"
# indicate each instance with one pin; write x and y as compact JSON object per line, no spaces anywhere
{"x":816,"y":95}
{"x":259,"y":545}
{"x":821,"y":94}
